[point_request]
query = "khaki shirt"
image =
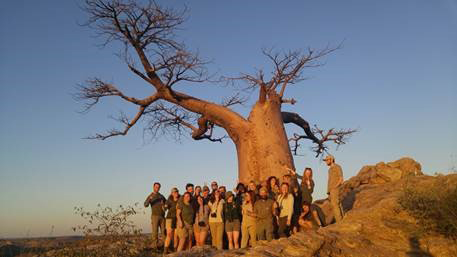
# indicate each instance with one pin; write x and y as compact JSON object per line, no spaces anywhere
{"x":248,"y":214}
{"x":218,"y":209}
{"x":335,"y":175}
{"x":286,"y":205}
{"x":264,"y":209}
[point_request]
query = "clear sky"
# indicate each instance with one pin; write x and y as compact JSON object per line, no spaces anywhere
{"x":395,"y":80}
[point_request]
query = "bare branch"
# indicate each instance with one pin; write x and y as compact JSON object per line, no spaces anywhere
{"x":234,"y":100}
{"x":179,"y":66}
{"x":122,"y":119}
{"x":339,"y":137}
{"x":287,"y":69}
{"x":164,"y":119}
{"x":95,"y":89}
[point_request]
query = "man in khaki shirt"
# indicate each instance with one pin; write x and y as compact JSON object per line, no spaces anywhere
{"x":335,"y":179}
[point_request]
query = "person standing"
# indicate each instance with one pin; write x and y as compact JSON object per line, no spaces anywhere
{"x":264,"y":209}
{"x":286,"y":206}
{"x":240,"y":190}
{"x":170,"y":220}
{"x":222,"y":190}
{"x":205,"y":194}
{"x":214,"y":187}
{"x":201,"y":225}
{"x":232,"y":214}
{"x":253,"y":187}
{"x":306,"y":185}
{"x":185,"y":215}
{"x":216,"y":222}
{"x":198,"y":191}
{"x":294,"y":227}
{"x":248,"y":232}
{"x":157,"y":202}
{"x":335,"y":179}
{"x":273,"y":187}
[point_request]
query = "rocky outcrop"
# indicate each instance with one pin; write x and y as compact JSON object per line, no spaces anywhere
{"x":374,"y":224}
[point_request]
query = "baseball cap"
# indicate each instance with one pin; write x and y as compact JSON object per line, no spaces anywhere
{"x":228,"y":194}
{"x":329,"y":157}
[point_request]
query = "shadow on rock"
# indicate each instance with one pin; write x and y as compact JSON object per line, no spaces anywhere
{"x":349,"y":200}
{"x":416,"y":250}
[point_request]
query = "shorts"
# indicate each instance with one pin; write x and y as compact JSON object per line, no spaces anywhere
{"x":199,"y":228}
{"x":186,"y":231}
{"x":170,"y":223}
{"x":231,"y":226}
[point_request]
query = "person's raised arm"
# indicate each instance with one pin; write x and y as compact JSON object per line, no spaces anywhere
{"x":147,"y":201}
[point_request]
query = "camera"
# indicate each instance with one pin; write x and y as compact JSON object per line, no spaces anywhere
{"x":201,"y":223}
{"x":213,"y":214}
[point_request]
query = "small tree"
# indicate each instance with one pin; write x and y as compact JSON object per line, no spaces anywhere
{"x":106,"y":221}
{"x":147,"y":32}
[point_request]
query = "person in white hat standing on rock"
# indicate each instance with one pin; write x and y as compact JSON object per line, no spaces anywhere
{"x":335,"y":179}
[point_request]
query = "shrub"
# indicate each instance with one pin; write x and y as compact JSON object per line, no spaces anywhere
{"x":107,"y":232}
{"x":434,"y":207}
{"x":106,"y":221}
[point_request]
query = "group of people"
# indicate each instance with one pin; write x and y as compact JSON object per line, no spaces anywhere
{"x":252,"y":212}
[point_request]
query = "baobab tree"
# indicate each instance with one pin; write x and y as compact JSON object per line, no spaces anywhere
{"x":151,"y":51}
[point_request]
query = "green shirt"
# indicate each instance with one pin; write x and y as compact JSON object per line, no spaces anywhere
{"x":171,"y":207}
{"x":187,"y":213}
{"x":157,"y":201}
{"x":232,"y":212}
{"x":263,"y":208}
{"x":306,"y":193}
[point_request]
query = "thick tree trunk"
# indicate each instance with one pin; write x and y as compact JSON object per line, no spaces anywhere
{"x":263,"y":150}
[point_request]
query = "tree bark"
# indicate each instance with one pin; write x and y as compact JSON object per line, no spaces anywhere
{"x":263,"y":149}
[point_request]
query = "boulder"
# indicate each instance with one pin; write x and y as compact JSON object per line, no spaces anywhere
{"x":374,"y":224}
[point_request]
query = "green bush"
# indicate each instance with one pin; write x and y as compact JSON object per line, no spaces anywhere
{"x":434,"y":207}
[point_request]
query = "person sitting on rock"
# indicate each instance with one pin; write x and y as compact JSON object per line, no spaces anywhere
{"x":308,"y":219}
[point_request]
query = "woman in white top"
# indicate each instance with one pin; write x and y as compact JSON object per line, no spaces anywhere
{"x":216,"y":223}
{"x":286,"y":206}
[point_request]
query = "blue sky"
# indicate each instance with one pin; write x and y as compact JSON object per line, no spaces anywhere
{"x":395,"y":80}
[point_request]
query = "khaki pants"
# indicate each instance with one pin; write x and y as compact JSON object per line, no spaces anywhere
{"x":217,"y":233}
{"x":264,"y":229}
{"x":335,"y":203}
{"x":156,"y":222}
{"x":283,"y":229}
{"x":248,"y":233}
